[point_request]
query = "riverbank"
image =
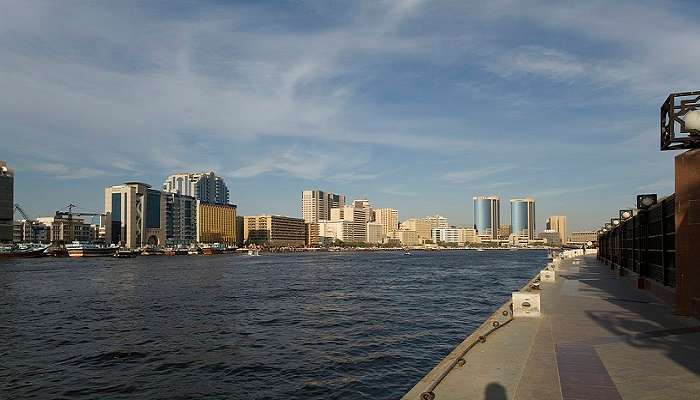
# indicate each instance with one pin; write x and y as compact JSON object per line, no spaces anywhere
{"x":597,"y":338}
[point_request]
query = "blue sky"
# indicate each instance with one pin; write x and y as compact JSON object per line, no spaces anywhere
{"x":415,"y":105}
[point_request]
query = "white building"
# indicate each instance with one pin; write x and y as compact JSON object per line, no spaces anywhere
{"x":330,"y":231}
{"x":204,"y":186}
{"x":316,"y":205}
{"x":445,"y":235}
{"x":437,"y":221}
{"x":358,"y":215}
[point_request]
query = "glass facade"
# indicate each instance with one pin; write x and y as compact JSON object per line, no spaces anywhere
{"x":487,"y":215}
{"x":522,"y":217}
{"x":7,"y":209}
{"x":153,"y":209}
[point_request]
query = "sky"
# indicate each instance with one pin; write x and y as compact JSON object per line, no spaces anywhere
{"x":415,"y":105}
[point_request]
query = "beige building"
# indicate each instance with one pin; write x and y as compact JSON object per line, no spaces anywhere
{"x":468,"y":235}
{"x":552,"y":237}
{"x":583,"y":237}
{"x":135,"y":215}
{"x":388,"y":217}
{"x":274,"y":230}
{"x":312,"y":234}
{"x":504,"y":231}
{"x":405,"y":237}
{"x":375,"y":232}
{"x":316,"y":205}
{"x":424,"y":226}
{"x":216,"y":223}
{"x":59,"y":229}
{"x":358,"y":215}
{"x":557,"y":223}
{"x":420,"y":226}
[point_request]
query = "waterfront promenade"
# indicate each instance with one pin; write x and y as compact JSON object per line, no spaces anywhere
{"x":598,"y":338}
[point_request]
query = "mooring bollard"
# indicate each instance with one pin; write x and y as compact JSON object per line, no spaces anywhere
{"x":526,"y":304}
{"x":548,"y":275}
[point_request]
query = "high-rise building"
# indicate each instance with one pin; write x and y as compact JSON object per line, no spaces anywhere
{"x":7,"y":205}
{"x":216,"y":223}
{"x":487,"y":216}
{"x":558,"y":223}
{"x":388,"y":217}
{"x":205,"y":186}
{"x":135,"y":215}
{"x":468,"y":235}
{"x":522,"y":217}
{"x":421,"y":226}
{"x":316,"y":205}
{"x":180,"y":219}
{"x":358,"y":215}
{"x":274,"y":230}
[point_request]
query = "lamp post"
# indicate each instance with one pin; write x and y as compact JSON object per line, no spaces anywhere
{"x":680,"y":130}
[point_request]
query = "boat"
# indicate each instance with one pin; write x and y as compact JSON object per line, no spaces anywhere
{"x":23,"y":251}
{"x":253,"y":252}
{"x":480,"y":250}
{"x":193,"y":252}
{"x":126,"y":253}
{"x":208,"y":251}
{"x":86,"y":249}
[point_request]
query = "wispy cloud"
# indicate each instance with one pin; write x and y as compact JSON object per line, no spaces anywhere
{"x":476,"y":174}
{"x":398,"y":190}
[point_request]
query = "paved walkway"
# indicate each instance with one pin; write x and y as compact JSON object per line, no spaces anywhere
{"x":599,"y":338}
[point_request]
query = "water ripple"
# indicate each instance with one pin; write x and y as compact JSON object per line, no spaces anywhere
{"x":312,"y":326}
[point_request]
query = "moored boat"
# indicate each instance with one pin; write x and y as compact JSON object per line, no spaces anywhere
{"x":23,"y":251}
{"x":126,"y":253}
{"x":84,"y":249}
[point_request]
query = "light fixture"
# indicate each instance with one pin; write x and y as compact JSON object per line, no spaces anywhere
{"x":680,"y":121}
{"x":645,"y":201}
{"x":626,"y":214}
{"x":608,"y":225}
{"x":615,"y":222}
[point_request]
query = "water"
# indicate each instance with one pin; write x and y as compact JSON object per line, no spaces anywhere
{"x":311,"y":326}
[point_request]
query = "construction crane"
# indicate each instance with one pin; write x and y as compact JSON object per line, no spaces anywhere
{"x":21,"y":212}
{"x":69,"y":216}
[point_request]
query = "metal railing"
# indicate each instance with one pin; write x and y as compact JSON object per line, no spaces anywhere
{"x":644,"y":244}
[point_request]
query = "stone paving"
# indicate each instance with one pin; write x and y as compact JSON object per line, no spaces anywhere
{"x":598,"y":338}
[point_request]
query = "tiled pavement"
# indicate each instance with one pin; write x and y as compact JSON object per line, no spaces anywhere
{"x":598,"y":338}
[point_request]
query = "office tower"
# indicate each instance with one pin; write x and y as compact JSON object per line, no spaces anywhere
{"x":205,"y":186}
{"x":487,"y":216}
{"x":135,"y":215}
{"x":445,"y":235}
{"x":421,"y":226}
{"x":216,"y":223}
{"x":558,"y":223}
{"x":180,"y":219}
{"x":522,"y":217}
{"x":388,"y":217}
{"x":274,"y":230}
{"x":358,"y":215}
{"x":316,"y":205}
{"x":7,"y":205}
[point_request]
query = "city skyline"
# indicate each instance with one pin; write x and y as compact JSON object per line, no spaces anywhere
{"x":390,"y":100}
